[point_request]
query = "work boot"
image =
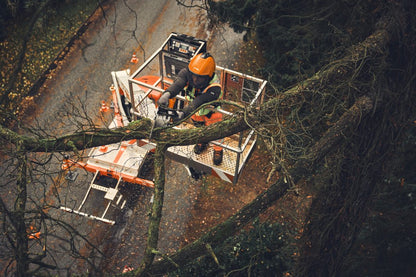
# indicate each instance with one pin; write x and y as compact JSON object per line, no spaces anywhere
{"x":195,"y":174}
{"x":200,"y":147}
{"x":218,"y":157}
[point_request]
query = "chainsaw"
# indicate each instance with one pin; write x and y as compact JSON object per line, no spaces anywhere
{"x":165,"y":117}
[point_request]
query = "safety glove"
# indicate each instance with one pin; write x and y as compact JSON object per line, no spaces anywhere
{"x":181,"y":115}
{"x":164,"y":99}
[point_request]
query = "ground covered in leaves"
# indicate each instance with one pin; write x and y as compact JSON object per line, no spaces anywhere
{"x":49,"y":37}
{"x":217,"y":200}
{"x":213,"y":200}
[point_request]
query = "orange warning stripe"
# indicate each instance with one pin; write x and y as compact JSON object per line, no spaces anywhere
{"x":120,"y":153}
{"x":110,"y":173}
{"x":146,"y":145}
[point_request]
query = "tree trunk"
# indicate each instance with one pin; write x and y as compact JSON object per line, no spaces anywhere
{"x":156,"y":213}
{"x":336,"y":133}
{"x":217,"y":235}
{"x":21,"y":249}
{"x":339,"y":71}
{"x":222,"y":231}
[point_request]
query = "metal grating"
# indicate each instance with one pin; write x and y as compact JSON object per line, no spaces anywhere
{"x":228,"y":164}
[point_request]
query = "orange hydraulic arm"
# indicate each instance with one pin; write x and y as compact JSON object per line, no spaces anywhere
{"x":68,"y":163}
{"x":117,"y":115}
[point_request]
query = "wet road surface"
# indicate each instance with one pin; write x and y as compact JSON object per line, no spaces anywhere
{"x":79,"y":85}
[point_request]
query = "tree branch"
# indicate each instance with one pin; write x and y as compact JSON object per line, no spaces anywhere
{"x":156,"y":213}
{"x":338,"y":72}
{"x":219,"y":233}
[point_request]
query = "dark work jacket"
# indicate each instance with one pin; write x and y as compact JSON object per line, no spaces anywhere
{"x":197,"y":97}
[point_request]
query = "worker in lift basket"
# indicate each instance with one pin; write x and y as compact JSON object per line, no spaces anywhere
{"x":201,"y":85}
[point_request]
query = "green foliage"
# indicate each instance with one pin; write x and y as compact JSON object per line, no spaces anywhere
{"x":299,"y":37}
{"x":264,"y":250}
{"x":386,"y":245}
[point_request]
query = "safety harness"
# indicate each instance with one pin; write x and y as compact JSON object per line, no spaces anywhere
{"x":191,"y":93}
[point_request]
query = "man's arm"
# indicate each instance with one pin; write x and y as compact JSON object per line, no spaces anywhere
{"x":179,"y":83}
{"x":212,"y":94}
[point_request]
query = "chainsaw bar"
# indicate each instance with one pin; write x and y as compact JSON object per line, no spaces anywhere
{"x":163,"y":118}
{"x":168,"y":112}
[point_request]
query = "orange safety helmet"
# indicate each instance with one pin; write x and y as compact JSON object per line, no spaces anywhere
{"x":202,"y":64}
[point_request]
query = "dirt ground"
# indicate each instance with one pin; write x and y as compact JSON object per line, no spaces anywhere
{"x":216,"y":200}
{"x":192,"y":207}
